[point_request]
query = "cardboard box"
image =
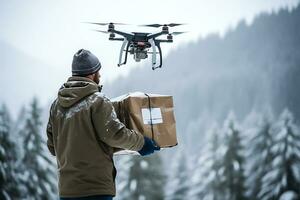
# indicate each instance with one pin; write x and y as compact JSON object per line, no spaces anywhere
{"x":150,"y":114}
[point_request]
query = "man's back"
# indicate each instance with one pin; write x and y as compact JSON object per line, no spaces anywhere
{"x":82,"y":131}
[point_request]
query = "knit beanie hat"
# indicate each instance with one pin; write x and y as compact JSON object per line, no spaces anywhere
{"x":85,"y":63}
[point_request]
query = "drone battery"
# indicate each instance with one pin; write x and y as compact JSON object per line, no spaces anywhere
{"x":150,"y":114}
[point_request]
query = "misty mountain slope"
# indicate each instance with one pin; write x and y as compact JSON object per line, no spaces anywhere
{"x":251,"y":67}
{"x":22,"y":76}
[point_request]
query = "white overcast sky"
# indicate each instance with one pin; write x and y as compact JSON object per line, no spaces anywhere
{"x":51,"y":31}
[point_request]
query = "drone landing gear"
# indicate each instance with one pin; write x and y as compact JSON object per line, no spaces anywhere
{"x":141,"y":54}
{"x":155,"y":44}
{"x":125,"y":43}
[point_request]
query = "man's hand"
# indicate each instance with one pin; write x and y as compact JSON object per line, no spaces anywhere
{"x":149,"y":147}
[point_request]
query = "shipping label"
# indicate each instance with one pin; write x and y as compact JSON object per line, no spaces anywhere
{"x":152,"y":113}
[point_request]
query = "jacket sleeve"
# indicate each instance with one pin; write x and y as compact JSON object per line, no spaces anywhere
{"x":50,"y":134}
{"x":113,"y":132}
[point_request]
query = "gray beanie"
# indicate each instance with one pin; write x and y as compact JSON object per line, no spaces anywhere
{"x":85,"y":63}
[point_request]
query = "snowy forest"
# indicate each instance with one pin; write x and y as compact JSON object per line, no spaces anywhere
{"x":237,"y":112}
{"x":256,"y":159}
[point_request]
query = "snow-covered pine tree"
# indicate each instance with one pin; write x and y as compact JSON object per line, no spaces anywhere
{"x":38,"y":170}
{"x":8,"y":179}
{"x":289,"y":195}
{"x":258,"y":153}
{"x":284,"y":175}
{"x":17,"y":135}
{"x":209,"y":173}
{"x":146,"y":178}
{"x":233,"y":161}
{"x":17,"y":131}
{"x":178,"y":181}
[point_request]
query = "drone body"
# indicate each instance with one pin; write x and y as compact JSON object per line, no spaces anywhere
{"x":138,"y":44}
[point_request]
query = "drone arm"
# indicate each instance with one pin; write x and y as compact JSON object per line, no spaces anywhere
{"x":169,"y":41}
{"x":121,"y":51}
{"x":117,"y":39}
{"x":125,"y":35}
{"x":156,"y":34}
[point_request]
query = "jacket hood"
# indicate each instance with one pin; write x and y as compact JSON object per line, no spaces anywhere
{"x":75,"y":89}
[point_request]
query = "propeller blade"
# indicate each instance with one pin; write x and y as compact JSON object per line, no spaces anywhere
{"x":104,"y":24}
{"x":174,"y":24}
{"x":152,"y":25}
{"x":101,"y":24}
{"x":120,"y":23}
{"x":159,"y":25}
{"x":177,"y":33}
{"x":101,"y":31}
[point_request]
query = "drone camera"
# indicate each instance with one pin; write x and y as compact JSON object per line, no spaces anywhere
{"x":140,"y":55}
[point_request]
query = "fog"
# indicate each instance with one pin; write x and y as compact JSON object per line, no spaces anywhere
{"x":38,"y":39}
{"x":235,"y":84}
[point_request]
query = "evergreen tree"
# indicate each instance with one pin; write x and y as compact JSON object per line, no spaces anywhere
{"x":233,"y":161}
{"x":38,"y":169}
{"x":178,"y":181}
{"x":17,"y":131}
{"x":146,"y":178}
{"x":8,"y":178}
{"x":209,"y":170}
{"x":259,"y":154}
{"x":284,"y":175}
{"x":289,"y":195}
{"x":17,"y":134}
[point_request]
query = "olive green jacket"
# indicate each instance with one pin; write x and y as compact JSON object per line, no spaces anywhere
{"x":82,"y":132}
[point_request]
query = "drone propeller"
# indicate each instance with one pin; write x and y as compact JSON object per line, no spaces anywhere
{"x":174,"y":24}
{"x":177,"y":33}
{"x":152,"y":25}
{"x":106,"y":32}
{"x":105,"y":24}
{"x":159,"y":25}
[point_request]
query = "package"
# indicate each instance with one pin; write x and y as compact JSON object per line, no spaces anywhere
{"x":150,"y":114}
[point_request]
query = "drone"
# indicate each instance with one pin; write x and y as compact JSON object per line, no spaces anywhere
{"x":138,"y":44}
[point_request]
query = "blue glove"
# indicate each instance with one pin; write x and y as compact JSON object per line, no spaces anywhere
{"x":149,"y":147}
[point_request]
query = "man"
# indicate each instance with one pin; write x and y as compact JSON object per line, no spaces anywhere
{"x":83,"y":131}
